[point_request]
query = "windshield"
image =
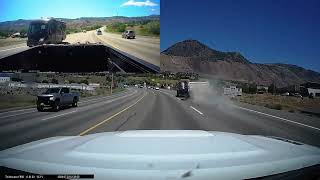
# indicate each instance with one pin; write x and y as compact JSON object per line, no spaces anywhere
{"x":52,"y":90}
{"x":37,"y":28}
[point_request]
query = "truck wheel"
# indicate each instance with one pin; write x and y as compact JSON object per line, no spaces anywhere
{"x":75,"y":102}
{"x":40,"y":108}
{"x":56,"y":106}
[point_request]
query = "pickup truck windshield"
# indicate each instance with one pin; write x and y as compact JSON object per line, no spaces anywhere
{"x":52,"y":90}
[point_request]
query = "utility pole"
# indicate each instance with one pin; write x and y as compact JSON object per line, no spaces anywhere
{"x":111,"y":83}
{"x":110,"y":67}
{"x":165,"y":76}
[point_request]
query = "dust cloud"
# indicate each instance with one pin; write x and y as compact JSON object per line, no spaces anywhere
{"x":210,"y":93}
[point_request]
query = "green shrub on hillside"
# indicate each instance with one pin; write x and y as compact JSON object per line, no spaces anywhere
{"x":90,"y":28}
{"x":116,"y":27}
{"x":153,"y":27}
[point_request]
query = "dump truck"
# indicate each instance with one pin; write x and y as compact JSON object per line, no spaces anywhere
{"x":46,"y":31}
{"x":183,"y":89}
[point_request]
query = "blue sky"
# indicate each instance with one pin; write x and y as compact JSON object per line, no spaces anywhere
{"x":264,"y":31}
{"x":35,"y":9}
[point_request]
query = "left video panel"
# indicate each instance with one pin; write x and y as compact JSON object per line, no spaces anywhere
{"x":64,"y":65}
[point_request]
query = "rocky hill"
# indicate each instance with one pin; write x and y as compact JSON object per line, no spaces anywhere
{"x":193,"y":56}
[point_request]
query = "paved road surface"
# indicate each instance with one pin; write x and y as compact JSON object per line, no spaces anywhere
{"x":9,"y":50}
{"x":138,"y":109}
{"x":145,"y":48}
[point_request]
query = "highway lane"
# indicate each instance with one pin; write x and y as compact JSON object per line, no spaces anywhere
{"x":145,"y":48}
{"x":162,"y":110}
{"x":33,"y":125}
{"x":141,"y":109}
{"x":13,"y":49}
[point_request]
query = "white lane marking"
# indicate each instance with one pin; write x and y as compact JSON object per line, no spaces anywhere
{"x":58,"y":115}
{"x":279,"y":118}
{"x":16,"y":114}
{"x":6,"y":112}
{"x":12,"y":48}
{"x":196,"y":110}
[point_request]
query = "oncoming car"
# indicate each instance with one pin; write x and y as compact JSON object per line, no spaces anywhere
{"x":99,"y":32}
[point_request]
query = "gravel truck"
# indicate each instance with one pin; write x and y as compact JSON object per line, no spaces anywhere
{"x":46,"y":31}
{"x":56,"y":98}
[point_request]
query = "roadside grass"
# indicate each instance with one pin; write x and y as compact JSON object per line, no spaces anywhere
{"x":12,"y":41}
{"x":153,"y":81}
{"x":141,"y":31}
{"x":101,"y":91}
{"x":11,"y":101}
{"x":287,"y":103}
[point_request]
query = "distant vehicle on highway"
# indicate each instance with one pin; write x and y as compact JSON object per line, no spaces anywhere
{"x":99,"y":32}
{"x":285,"y":94}
{"x":46,"y":31}
{"x":183,"y":89}
{"x":129,"y":34}
{"x":157,"y":88}
{"x":57,"y":97}
{"x":297,"y":95}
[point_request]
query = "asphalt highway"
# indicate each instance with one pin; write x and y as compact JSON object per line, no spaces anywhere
{"x":145,"y":48}
{"x":147,"y":109}
{"x":13,"y":49}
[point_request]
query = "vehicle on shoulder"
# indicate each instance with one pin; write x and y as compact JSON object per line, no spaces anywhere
{"x":285,"y":94}
{"x":16,"y":35}
{"x":297,"y":95}
{"x":57,"y":98}
{"x":129,"y":34}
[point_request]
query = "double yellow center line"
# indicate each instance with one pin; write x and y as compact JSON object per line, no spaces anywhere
{"x":109,"y":118}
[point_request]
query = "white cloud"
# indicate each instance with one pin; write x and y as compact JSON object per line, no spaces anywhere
{"x":139,"y":3}
{"x":153,"y":10}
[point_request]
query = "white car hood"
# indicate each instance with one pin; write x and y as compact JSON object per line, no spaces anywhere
{"x":161,"y":154}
